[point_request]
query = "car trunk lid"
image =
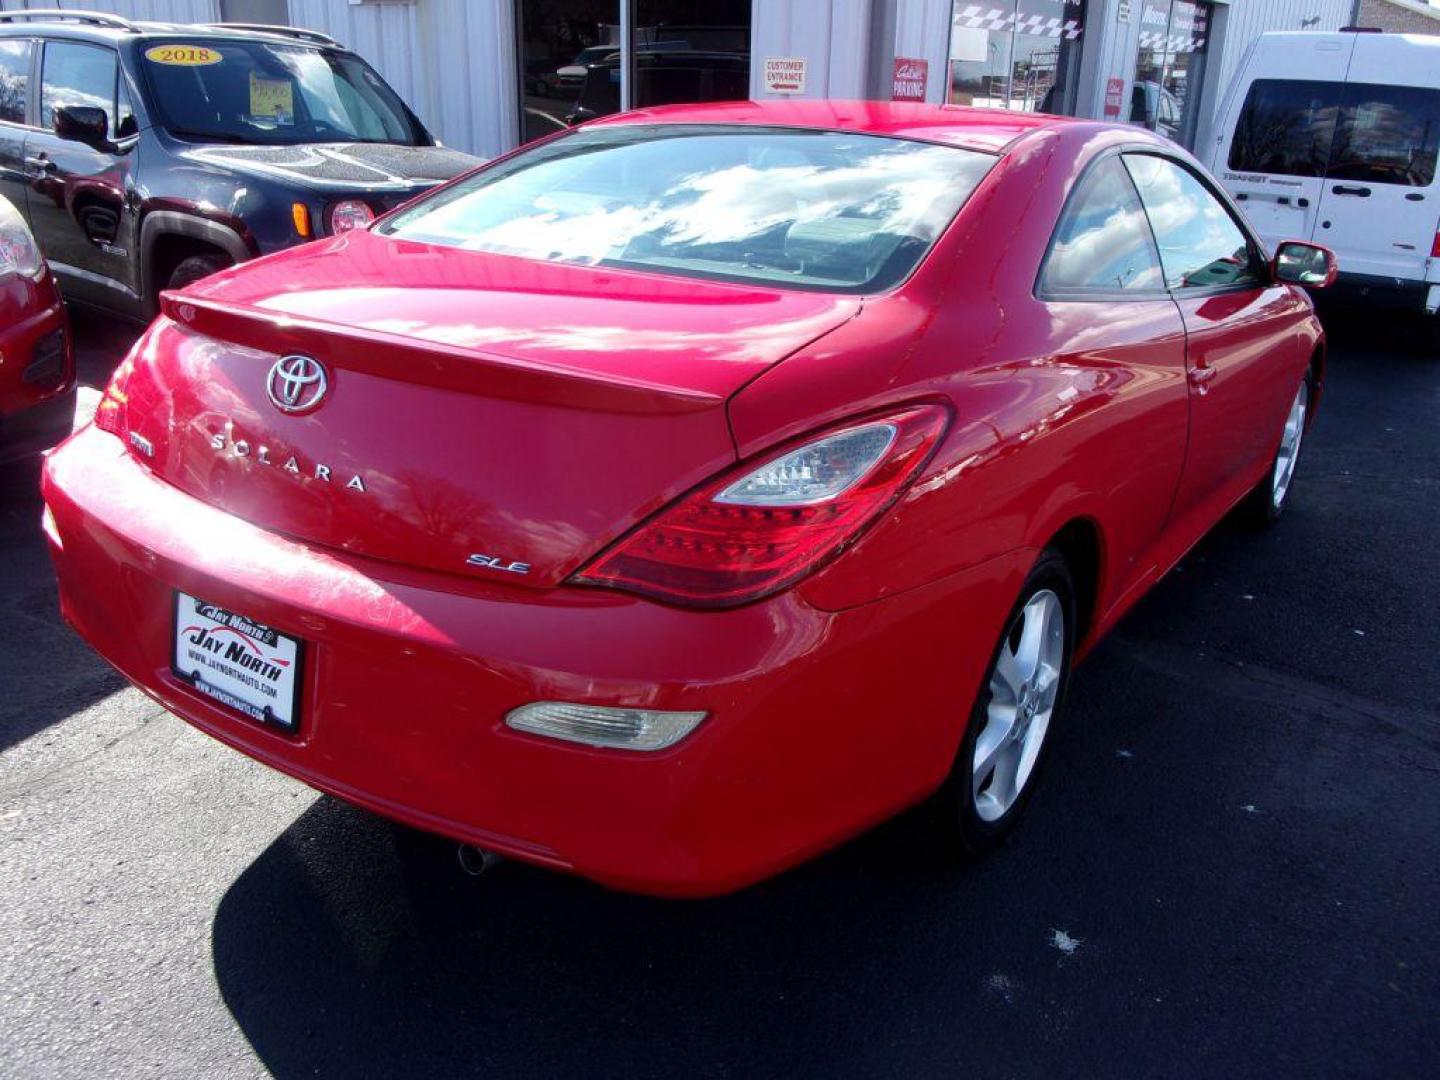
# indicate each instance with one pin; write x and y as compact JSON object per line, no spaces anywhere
{"x":481,"y":414}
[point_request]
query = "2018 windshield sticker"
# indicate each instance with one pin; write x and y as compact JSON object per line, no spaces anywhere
{"x":183,"y":55}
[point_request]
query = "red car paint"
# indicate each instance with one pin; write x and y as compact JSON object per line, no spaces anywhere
{"x":544,"y":410}
{"x":33,"y":331}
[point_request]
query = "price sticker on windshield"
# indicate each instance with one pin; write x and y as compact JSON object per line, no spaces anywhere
{"x":273,"y":99}
{"x":183,"y":55}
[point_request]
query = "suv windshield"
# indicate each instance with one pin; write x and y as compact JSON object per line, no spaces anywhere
{"x":817,"y":210}
{"x":255,"y":92}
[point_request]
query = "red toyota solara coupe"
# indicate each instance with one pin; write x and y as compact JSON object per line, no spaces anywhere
{"x":36,"y":361}
{"x":671,"y":499}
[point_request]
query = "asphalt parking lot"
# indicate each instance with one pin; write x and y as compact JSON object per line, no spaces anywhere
{"x":1233,"y":867}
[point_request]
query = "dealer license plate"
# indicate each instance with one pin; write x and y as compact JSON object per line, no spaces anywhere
{"x":245,"y":665}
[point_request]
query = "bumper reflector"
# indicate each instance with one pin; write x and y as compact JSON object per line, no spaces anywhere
{"x":597,"y":725}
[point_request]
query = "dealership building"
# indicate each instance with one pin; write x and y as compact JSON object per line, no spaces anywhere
{"x":487,"y":75}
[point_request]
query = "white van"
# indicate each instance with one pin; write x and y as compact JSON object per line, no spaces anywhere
{"x":1333,"y":138}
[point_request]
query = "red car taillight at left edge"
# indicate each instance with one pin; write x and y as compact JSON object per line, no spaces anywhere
{"x":764,"y":525}
{"x":110,"y":413}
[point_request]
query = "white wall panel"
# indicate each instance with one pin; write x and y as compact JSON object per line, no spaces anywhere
{"x":452,"y":60}
{"x":158,"y":10}
{"x":832,"y":37}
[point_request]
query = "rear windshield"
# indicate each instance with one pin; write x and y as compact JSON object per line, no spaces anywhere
{"x":817,"y":210}
{"x":254,"y":92}
{"x":1344,"y":131}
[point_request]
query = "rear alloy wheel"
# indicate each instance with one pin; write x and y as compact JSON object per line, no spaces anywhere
{"x":1268,"y":499}
{"x":1024,"y":689}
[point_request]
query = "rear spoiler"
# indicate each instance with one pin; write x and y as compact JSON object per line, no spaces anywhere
{"x":428,"y":363}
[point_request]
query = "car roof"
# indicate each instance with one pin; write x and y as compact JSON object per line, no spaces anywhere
{"x":132,"y":30}
{"x":975,"y":129}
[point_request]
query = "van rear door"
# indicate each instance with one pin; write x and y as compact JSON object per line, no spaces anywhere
{"x":1276,"y":134}
{"x":1381,"y":202}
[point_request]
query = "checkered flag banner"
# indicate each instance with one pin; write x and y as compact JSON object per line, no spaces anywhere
{"x":1159,"y":41}
{"x":978,"y":17}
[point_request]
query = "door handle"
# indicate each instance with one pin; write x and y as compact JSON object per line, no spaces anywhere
{"x":1345,"y":189}
{"x":43,"y":163}
{"x":1200,"y":375}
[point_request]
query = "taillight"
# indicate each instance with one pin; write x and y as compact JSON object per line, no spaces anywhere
{"x":760,"y":528}
{"x":348,"y":215}
{"x":1435,"y":245}
{"x":110,"y":413}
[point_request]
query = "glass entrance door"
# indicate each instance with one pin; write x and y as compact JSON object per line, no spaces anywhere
{"x":560,"y":40}
{"x":1022,"y":55}
{"x":1170,"y":67}
{"x":571,"y":54}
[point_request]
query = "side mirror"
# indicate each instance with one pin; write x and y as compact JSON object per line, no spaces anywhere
{"x":83,"y":124}
{"x":1305,"y":264}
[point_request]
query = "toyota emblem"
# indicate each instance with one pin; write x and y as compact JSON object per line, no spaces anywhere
{"x":296,"y":384}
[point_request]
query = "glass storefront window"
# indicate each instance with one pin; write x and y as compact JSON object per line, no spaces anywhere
{"x":559,"y":39}
{"x":1024,"y":54}
{"x":691,"y":51}
{"x":684,"y":51}
{"x":1170,"y":67}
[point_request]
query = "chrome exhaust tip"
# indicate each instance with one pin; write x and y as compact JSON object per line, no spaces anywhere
{"x":476,"y":860}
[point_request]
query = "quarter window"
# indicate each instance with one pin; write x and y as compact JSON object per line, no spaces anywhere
{"x":1103,"y":244}
{"x":14,"y":80}
{"x":1201,"y":246}
{"x":77,"y":75}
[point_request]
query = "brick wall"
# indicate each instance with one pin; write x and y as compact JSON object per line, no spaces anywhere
{"x":1400,"y":18}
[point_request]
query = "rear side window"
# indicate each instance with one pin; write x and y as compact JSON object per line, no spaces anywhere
{"x":1103,"y":243}
{"x":1286,"y":128}
{"x":1201,"y":246}
{"x":77,"y":75}
{"x":14,"y":80}
{"x":1388,"y":135}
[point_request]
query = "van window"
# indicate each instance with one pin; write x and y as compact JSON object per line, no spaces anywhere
{"x":14,"y":79}
{"x":1344,"y":131}
{"x":1388,"y":135}
{"x":1103,"y":243}
{"x":1286,"y":127}
{"x":1201,"y":246}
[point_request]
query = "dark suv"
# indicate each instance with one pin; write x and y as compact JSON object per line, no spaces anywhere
{"x":147,"y":155}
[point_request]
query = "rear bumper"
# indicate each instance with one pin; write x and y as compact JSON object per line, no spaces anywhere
{"x":820,"y":723}
{"x":37,"y":360}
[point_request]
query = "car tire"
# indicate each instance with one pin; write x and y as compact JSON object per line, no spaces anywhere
{"x":192,"y":269}
{"x":1013,"y":719}
{"x":1264,"y":505}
